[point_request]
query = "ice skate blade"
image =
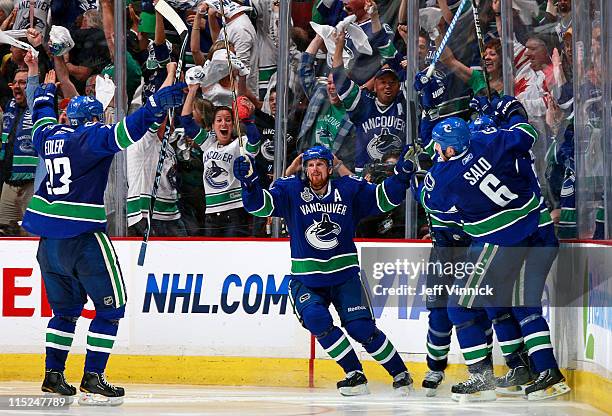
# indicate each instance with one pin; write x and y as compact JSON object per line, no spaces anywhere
{"x":90,"y":399}
{"x":430,"y":392}
{"x":354,"y":391}
{"x":404,"y":391}
{"x":512,"y":391}
{"x":481,"y":396}
{"x":555,"y":390}
{"x":68,"y":400}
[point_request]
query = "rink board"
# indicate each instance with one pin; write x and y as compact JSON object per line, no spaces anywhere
{"x":219,"y":311}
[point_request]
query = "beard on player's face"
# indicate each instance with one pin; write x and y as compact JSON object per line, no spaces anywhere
{"x":317,"y":171}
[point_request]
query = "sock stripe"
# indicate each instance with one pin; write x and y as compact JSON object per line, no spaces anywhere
{"x":539,"y":348}
{"x":537,"y":335}
{"x":60,"y":333}
{"x":385,"y":352}
{"x":58,"y":340}
{"x":341,"y":349}
{"x":100,"y":342}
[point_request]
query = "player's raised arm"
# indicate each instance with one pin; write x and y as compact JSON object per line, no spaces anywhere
{"x":511,"y":115}
{"x":375,"y":199}
{"x":258,"y":201}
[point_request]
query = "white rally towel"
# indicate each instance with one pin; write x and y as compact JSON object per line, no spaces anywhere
{"x":429,"y":18}
{"x":9,"y":40}
{"x":105,"y":90}
{"x":229,"y":7}
{"x":60,"y":41}
{"x":194,"y":75}
{"x":353,"y":31}
{"x":216,"y":69}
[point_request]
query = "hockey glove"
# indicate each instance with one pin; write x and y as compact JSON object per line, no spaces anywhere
{"x":166,"y":98}
{"x":408,"y":160}
{"x":431,"y":90}
{"x":244,"y":171}
{"x":481,"y":105}
{"x":45,"y":93}
{"x":509,"y":107}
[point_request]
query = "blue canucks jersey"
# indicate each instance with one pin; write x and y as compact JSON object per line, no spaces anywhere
{"x":322,"y":227}
{"x":70,"y":201}
{"x":484,"y":183}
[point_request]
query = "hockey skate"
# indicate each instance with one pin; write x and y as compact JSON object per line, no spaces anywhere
{"x":355,"y":384}
{"x":99,"y":392}
{"x":55,"y":384}
{"x":550,"y":383}
{"x":432,"y":381}
{"x":514,"y":381}
{"x":480,"y":387}
{"x":402,"y":383}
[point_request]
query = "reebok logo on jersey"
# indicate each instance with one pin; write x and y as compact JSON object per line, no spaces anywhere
{"x":466,"y":159}
{"x":356,"y":308}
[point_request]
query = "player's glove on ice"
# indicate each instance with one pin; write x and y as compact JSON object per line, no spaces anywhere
{"x":244,"y":171}
{"x":166,"y":98}
{"x":431,"y":90}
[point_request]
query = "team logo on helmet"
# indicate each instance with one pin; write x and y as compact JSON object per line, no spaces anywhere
{"x":429,"y":182}
{"x":215,"y":175}
{"x":382,"y":143}
{"x":306,"y":195}
{"x":323,"y":234}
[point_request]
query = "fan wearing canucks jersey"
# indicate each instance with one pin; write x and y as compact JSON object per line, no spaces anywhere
{"x":77,"y":259}
{"x":479,"y":175}
{"x":321,"y":215}
{"x":379,"y":117}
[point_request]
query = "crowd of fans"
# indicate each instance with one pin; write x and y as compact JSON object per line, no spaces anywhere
{"x":347,"y":91}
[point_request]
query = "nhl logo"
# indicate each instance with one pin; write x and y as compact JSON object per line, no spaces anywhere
{"x":304,"y":297}
{"x":108,"y":300}
{"x":306,"y":195}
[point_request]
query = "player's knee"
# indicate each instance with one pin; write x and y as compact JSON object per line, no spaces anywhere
{"x":497,"y":319}
{"x":361,"y":330}
{"x":68,"y":314}
{"x":111,"y":314}
{"x":317,"y":319}
{"x":527,"y":315}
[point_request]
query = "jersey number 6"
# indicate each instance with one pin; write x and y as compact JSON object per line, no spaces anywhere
{"x":501,"y":195}
{"x":58,"y":166}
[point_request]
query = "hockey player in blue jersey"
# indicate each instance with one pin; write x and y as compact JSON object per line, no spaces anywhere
{"x":500,"y":209}
{"x":321,"y":216}
{"x":76,"y":257}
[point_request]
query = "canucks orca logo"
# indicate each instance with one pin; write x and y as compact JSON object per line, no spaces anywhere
{"x":324,"y":136}
{"x":267,"y":150}
{"x":214,"y":172}
{"x":382,"y":143}
{"x":38,"y":23}
{"x":429,"y":182}
{"x":323,"y":234}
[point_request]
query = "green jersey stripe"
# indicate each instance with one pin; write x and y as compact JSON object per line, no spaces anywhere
{"x":501,"y":220}
{"x":224,"y":197}
{"x":382,"y":200}
{"x":25,"y":160}
{"x":528,"y":129}
{"x":42,"y":122}
{"x":122,"y":135}
{"x":67,"y":210}
{"x":252,"y":148}
{"x":200,"y":137}
{"x":351,"y":97}
{"x":332,"y":265}
{"x":268,"y":206}
{"x":141,"y":204}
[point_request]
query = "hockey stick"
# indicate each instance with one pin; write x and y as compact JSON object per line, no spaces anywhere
{"x":168,"y":12}
{"x":232,"y":84}
{"x":445,"y":39}
{"x":481,"y":47}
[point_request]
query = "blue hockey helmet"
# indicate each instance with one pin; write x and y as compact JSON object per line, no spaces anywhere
{"x":482,"y":123}
{"x":452,"y":132}
{"x":318,"y":152}
{"x":82,"y":109}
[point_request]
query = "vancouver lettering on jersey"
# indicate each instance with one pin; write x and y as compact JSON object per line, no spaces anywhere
{"x":391,"y":122}
{"x":329,"y":208}
{"x":215,"y":155}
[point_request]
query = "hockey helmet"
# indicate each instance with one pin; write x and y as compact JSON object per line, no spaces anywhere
{"x":481,"y":123}
{"x":82,"y":109}
{"x":318,"y":152}
{"x":452,"y":132}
